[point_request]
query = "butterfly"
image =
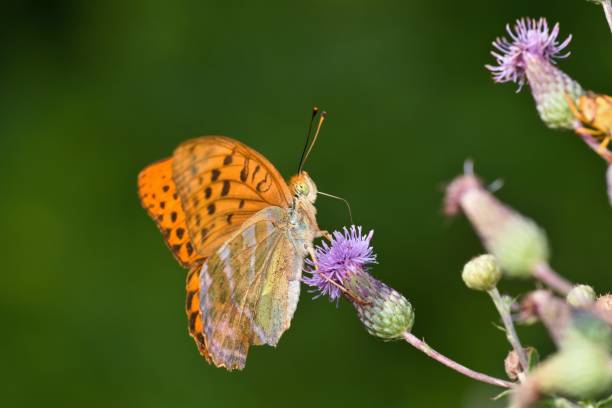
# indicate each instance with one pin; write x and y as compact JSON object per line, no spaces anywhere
{"x":228,"y":216}
{"x":594,"y":111}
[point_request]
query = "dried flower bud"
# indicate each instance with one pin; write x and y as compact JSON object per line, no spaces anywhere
{"x":517,"y":242}
{"x":383,"y":311}
{"x":512,"y":364}
{"x":581,"y":296}
{"x":530,"y":57}
{"x":481,"y":273}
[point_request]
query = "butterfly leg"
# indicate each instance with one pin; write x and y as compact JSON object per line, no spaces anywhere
{"x":325,"y":234}
{"x":604,"y":145}
{"x":573,"y":108}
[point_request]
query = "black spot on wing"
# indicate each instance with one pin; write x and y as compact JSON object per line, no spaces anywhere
{"x":226,"y":188}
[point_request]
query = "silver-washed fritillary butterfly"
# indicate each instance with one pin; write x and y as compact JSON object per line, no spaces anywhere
{"x":227,"y":214}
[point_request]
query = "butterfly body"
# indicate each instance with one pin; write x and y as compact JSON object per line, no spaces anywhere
{"x":226,"y":213}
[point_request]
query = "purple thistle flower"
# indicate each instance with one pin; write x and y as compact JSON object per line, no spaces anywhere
{"x":529,"y":57}
{"x":340,"y":270}
{"x":530,"y":37}
{"x":346,"y":253}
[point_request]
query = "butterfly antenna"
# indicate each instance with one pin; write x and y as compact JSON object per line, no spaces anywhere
{"x":341,"y":199}
{"x":315,"y":110}
{"x":316,"y":135}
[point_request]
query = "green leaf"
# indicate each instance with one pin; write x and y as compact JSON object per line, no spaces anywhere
{"x":533,"y":358}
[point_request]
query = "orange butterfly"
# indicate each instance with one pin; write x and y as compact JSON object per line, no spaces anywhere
{"x":594,"y":111}
{"x":227,"y":215}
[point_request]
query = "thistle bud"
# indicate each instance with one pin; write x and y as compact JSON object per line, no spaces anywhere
{"x":481,"y":273}
{"x":384,"y":312}
{"x":581,"y":370}
{"x":529,"y":57}
{"x":581,"y":296}
{"x":517,"y":242}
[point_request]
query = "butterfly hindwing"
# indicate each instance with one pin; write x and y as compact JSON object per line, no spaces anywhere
{"x":221,"y":183}
{"x":194,"y":315}
{"x":249,"y":289}
{"x":158,"y":196}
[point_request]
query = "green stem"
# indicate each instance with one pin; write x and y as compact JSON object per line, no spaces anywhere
{"x":504,"y":312}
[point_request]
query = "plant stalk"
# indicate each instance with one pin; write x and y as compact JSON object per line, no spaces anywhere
{"x":424,"y":347}
{"x":511,"y":335}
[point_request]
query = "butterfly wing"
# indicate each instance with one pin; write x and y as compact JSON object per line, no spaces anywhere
{"x":158,"y":196}
{"x":249,"y":288}
{"x":221,"y":183}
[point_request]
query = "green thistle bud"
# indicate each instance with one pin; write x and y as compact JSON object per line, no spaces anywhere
{"x":481,"y":273}
{"x":383,"y":311}
{"x":517,"y":242}
{"x":581,"y":296}
{"x":581,"y":369}
{"x":550,"y":88}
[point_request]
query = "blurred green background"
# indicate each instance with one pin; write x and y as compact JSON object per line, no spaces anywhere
{"x":91,"y":301}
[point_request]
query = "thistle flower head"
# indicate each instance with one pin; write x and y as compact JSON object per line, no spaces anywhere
{"x":529,"y":36}
{"x":518,"y":243}
{"x":529,"y":56}
{"x":340,"y":269}
{"x":347,"y":252}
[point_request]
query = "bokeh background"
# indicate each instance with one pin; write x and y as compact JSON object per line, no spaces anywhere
{"x":91,"y":301}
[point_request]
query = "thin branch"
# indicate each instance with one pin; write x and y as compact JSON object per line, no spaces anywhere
{"x":544,"y":273}
{"x":511,"y":335}
{"x":422,"y":346}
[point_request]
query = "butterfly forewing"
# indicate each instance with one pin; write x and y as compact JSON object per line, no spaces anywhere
{"x":221,"y":183}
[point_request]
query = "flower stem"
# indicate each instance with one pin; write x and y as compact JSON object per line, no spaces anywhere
{"x":544,"y":273}
{"x":424,"y":347}
{"x":511,"y":335}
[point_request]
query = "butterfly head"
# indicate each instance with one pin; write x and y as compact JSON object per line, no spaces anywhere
{"x":302,"y":186}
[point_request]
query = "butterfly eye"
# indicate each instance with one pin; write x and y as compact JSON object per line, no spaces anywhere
{"x":301,"y":189}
